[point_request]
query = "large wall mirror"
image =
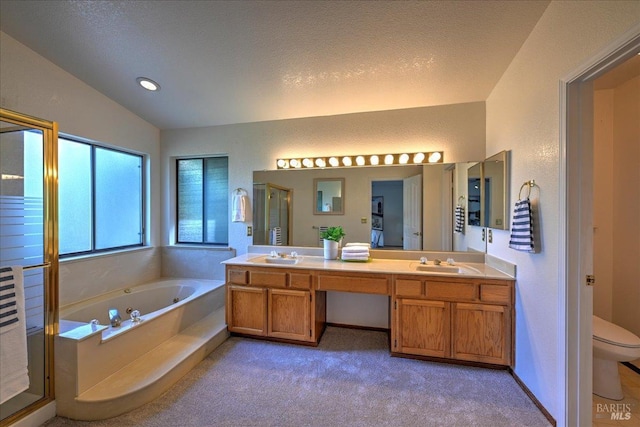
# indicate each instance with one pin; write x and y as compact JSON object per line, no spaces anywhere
{"x":329,"y":198}
{"x":441,"y":188}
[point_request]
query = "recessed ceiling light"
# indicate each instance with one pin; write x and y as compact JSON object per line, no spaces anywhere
{"x":148,"y":84}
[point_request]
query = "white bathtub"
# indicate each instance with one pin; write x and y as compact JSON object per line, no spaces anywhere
{"x":175,"y":313}
{"x":151,"y":300}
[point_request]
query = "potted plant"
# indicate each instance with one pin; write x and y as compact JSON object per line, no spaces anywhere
{"x":331,"y":238}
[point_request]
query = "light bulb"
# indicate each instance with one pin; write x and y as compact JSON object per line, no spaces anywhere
{"x":434,"y":157}
{"x":346,"y":161}
{"x":418,"y":158}
{"x":333,"y":161}
{"x":375,"y":160}
{"x":388,"y":159}
{"x":360,"y":161}
{"x":404,"y":159}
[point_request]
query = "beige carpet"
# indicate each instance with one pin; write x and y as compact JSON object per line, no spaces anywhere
{"x":349,"y":380}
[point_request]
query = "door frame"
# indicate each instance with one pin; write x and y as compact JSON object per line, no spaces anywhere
{"x":576,"y":207}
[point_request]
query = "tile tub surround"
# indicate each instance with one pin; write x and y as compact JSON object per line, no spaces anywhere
{"x":98,"y":378}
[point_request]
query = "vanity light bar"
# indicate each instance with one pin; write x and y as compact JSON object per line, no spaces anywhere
{"x":361,"y":160}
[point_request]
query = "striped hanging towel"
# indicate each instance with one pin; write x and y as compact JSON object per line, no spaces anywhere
{"x":459,"y":213}
{"x":522,"y":227}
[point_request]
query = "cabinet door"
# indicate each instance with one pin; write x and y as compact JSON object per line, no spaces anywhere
{"x":481,"y":333}
{"x":423,"y":327}
{"x":247,"y":310}
{"x":289,"y":314}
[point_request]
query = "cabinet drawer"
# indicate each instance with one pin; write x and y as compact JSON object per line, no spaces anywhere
{"x":408,"y":288}
{"x":300,"y":280}
{"x":268,"y":278}
{"x":240,"y":277}
{"x":495,"y":293}
{"x":451,"y":291}
{"x":362,"y":284}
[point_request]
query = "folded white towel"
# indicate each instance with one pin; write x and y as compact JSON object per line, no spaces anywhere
{"x":353,"y":249}
{"x":366,"y":245}
{"x":13,"y":335}
{"x":363,"y":254}
{"x":358,"y":256}
{"x":239,"y":205}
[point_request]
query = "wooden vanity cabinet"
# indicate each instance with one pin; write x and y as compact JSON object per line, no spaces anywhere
{"x":274,"y":303}
{"x":456,"y":318}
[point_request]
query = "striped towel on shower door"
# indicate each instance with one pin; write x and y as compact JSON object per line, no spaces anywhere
{"x":459,"y":213}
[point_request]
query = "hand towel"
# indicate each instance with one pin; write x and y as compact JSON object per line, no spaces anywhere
{"x":13,"y":334}
{"x":276,"y":236}
{"x":522,"y":227}
{"x":239,"y":204}
{"x":459,"y":214}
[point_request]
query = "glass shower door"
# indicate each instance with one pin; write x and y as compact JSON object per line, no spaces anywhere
{"x":24,"y":231}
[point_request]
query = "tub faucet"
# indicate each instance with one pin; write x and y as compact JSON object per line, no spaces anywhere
{"x":114,"y":317}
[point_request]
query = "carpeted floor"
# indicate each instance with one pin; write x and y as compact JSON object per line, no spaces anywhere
{"x":349,"y":380}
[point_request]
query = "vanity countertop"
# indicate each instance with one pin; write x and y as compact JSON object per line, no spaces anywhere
{"x":374,"y":265}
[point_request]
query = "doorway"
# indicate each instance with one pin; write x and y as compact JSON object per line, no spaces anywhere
{"x":577,"y":94}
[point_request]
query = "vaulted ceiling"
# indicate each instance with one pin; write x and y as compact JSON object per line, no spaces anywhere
{"x":222,"y":62}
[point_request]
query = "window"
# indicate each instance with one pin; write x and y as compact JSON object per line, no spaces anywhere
{"x":203,"y":202}
{"x":100,"y":198}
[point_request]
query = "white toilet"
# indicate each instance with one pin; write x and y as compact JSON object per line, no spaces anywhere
{"x":611,"y":344}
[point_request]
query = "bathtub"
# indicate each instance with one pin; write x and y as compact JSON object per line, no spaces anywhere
{"x":103,"y":370}
{"x":151,"y":300}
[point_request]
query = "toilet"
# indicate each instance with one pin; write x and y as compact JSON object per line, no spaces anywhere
{"x":611,"y":344}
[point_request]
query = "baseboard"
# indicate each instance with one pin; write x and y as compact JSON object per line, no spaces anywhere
{"x":631,"y":366}
{"x":533,"y":398}
{"x":365,"y":328}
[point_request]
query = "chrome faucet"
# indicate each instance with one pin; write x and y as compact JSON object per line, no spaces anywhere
{"x":114,"y":317}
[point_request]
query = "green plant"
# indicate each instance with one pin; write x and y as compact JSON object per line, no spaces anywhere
{"x":333,"y":233}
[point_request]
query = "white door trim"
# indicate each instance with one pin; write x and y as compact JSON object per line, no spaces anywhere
{"x":575,"y":249}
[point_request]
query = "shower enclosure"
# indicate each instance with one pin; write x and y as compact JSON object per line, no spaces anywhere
{"x":271,"y":211}
{"x":28,"y":238}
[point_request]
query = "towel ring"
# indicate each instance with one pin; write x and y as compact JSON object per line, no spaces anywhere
{"x":461,"y":197}
{"x":528,"y":184}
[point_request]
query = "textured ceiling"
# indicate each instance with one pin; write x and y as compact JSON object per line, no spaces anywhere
{"x":222,"y":62}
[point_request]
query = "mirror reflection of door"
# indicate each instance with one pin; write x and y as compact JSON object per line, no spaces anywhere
{"x":272,"y":224}
{"x":412,"y":213}
{"x":401,"y":216}
{"x":474,"y":174}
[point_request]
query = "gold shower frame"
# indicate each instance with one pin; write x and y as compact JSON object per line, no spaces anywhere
{"x":50,"y":141}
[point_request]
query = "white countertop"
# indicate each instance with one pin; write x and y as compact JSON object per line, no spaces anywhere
{"x":389,"y":266}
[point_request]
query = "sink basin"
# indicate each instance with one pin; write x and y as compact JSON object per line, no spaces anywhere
{"x":277,"y":259}
{"x":439,"y":268}
{"x":446,"y":268}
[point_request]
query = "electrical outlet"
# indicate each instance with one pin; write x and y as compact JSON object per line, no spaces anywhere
{"x":249,"y":230}
{"x":363,"y":220}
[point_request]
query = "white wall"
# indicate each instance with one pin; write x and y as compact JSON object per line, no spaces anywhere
{"x":523,"y":115}
{"x":458,"y":130}
{"x":603,"y":206}
{"x":32,"y":85}
{"x":626,"y":205}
